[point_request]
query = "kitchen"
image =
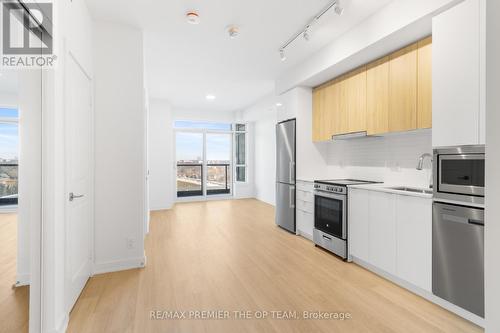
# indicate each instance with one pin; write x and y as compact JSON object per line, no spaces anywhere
{"x":319,"y":166}
{"x":388,"y":170}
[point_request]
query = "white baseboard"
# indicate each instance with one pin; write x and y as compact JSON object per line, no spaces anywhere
{"x":423,"y":293}
{"x":63,"y":325}
{"x":23,"y":280}
{"x":118,"y":265}
{"x":153,"y":209}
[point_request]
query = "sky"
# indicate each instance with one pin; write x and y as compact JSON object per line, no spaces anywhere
{"x":189,"y":146}
{"x":9,"y":135}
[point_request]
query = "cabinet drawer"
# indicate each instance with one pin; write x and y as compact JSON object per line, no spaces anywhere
{"x":305,"y":195}
{"x":305,"y":224}
{"x":305,"y":206}
{"x":305,"y":186}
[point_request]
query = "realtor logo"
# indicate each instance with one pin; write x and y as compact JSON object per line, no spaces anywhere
{"x":28,"y":34}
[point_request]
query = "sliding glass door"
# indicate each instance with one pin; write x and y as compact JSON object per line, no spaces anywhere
{"x":190,"y":163}
{"x":218,"y":162}
{"x":204,"y":165}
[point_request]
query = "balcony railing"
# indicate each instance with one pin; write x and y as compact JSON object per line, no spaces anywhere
{"x":190,"y":179}
{"x":9,"y":183}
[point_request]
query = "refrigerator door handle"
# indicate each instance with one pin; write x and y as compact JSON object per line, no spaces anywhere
{"x":291,"y":167}
{"x":292,"y":196}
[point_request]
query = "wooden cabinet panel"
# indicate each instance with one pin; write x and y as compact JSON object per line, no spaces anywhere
{"x":403,"y":89}
{"x":424,"y":79}
{"x":351,"y":117}
{"x":377,"y":97}
{"x":331,"y":109}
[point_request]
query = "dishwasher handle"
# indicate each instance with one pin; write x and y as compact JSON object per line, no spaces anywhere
{"x":476,"y":222}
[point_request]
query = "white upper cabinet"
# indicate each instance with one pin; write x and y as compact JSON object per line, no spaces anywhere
{"x":456,"y":77}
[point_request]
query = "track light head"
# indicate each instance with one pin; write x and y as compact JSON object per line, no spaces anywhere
{"x":282,"y":55}
{"x":338,"y":9}
{"x":306,"y":35}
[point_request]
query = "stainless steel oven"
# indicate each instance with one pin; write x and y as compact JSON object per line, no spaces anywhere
{"x":459,"y":174}
{"x":330,"y":214}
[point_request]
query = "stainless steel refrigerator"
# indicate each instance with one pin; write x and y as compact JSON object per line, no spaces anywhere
{"x":285,"y":174}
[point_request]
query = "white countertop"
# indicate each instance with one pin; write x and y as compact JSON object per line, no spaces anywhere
{"x":387,"y":188}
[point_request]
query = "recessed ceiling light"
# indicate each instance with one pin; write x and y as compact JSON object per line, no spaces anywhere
{"x":279,"y":104}
{"x":210,"y":97}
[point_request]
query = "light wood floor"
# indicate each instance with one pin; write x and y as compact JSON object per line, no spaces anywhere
{"x":229,"y":255}
{"x":14,"y":302}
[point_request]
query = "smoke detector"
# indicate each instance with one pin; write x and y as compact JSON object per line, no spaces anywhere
{"x":192,"y":17}
{"x":233,"y":31}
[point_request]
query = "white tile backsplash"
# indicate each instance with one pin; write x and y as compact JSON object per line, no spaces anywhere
{"x":392,"y":158}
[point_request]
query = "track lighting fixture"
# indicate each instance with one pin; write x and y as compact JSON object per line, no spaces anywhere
{"x":338,"y":9}
{"x":306,"y":34}
{"x":282,"y":55}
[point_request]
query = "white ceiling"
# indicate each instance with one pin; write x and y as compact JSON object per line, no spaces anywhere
{"x":186,"y":62}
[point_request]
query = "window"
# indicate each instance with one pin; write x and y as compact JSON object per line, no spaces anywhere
{"x":240,"y":153}
{"x":9,"y":141}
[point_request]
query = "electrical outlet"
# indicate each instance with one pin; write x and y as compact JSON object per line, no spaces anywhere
{"x":130,"y":243}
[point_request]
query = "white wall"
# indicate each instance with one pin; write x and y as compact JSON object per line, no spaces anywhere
{"x":161,"y":159}
{"x":120,"y":147}
{"x":492,"y":225}
{"x":263,"y":117}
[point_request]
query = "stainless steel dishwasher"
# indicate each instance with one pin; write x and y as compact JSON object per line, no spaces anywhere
{"x":458,"y":255}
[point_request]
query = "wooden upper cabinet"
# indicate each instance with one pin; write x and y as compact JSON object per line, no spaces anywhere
{"x":403,"y":89}
{"x":392,"y":94}
{"x":332,"y":102}
{"x":355,"y":95}
{"x":424,"y":79}
{"x":377,"y":97}
{"x":351,"y":115}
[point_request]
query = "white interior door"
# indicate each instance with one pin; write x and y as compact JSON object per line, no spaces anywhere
{"x":79,"y":185}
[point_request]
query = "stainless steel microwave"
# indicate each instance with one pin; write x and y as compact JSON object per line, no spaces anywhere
{"x":459,"y":173}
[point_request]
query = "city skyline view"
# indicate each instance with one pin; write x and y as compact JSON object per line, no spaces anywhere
{"x":9,"y":135}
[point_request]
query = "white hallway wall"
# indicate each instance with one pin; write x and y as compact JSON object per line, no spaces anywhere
{"x":120,"y":147}
{"x":161,"y":159}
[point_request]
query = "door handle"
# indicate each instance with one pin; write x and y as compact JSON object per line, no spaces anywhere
{"x":291,"y":172}
{"x":292,"y":197}
{"x":73,"y":196}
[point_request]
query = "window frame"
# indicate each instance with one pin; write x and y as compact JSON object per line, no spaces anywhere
{"x":245,"y":165}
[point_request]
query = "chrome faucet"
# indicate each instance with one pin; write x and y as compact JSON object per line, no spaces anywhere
{"x":420,"y":165}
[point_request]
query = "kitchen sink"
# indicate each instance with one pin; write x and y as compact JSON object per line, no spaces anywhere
{"x":411,"y":189}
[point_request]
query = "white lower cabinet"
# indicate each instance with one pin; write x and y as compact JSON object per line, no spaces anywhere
{"x":305,"y":223}
{"x":414,"y":240}
{"x":359,"y":224}
{"x":383,"y":231}
{"x":305,"y":209}
{"x":392,"y":233}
